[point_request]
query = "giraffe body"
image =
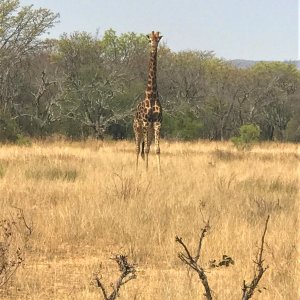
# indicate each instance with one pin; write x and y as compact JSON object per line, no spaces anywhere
{"x":148,"y":117}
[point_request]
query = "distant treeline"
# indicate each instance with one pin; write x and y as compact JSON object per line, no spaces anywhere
{"x":84,"y":85}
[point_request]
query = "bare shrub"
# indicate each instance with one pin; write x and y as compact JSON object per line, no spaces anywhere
{"x":260,"y":207}
{"x":14,"y":235}
{"x":127,"y":273}
{"x":124,"y":187}
{"x":193,"y":262}
{"x":224,"y":183}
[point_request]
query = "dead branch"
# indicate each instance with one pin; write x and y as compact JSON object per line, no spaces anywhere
{"x":249,"y":289}
{"x":192,"y":262}
{"x":127,"y":273}
{"x":202,"y":235}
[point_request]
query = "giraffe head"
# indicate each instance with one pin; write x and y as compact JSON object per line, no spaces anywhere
{"x":154,"y":38}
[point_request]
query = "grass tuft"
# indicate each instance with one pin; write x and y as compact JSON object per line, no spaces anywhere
{"x":52,"y":173}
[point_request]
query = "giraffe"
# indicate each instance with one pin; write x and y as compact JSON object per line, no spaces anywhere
{"x":148,"y":117}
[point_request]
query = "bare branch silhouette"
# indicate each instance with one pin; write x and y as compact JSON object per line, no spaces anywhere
{"x":192,"y":262}
{"x":248,"y":289}
{"x":127,"y":273}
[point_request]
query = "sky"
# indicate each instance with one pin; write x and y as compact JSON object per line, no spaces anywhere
{"x":233,"y":29}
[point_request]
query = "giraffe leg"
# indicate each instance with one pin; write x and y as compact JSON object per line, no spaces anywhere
{"x":137,"y":161}
{"x":157,"y":126}
{"x":143,"y":151}
{"x":138,"y":137}
{"x":137,"y":155}
{"x":146,"y":141}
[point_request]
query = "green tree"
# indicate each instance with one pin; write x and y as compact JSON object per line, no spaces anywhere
{"x":93,"y":87}
{"x":20,"y":31}
{"x":270,"y":100}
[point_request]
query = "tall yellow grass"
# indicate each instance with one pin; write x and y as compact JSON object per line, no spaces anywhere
{"x":87,"y":203}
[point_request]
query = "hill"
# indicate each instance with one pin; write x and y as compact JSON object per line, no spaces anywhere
{"x":244,"y":63}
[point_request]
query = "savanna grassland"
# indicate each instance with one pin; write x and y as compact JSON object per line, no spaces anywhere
{"x":87,"y":203}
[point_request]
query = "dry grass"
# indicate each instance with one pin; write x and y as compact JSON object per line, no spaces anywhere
{"x":87,"y":203}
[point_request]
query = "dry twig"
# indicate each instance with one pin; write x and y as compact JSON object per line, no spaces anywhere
{"x":248,"y":289}
{"x":192,"y":262}
{"x":127,"y":273}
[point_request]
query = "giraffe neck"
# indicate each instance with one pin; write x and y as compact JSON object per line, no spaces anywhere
{"x":151,"y":91}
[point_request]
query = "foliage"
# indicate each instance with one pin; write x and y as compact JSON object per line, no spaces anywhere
{"x":11,"y":133}
{"x":20,"y":31}
{"x":94,"y":91}
{"x":249,"y":134}
{"x":182,"y":126}
{"x":23,"y":140}
{"x":9,"y":129}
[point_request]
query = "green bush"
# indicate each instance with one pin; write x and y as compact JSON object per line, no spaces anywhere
{"x":182,"y":127}
{"x":11,"y":133}
{"x":9,"y":129}
{"x":23,"y":140}
{"x":249,"y":134}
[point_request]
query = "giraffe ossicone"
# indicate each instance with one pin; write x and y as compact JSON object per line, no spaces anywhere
{"x":148,"y":117}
